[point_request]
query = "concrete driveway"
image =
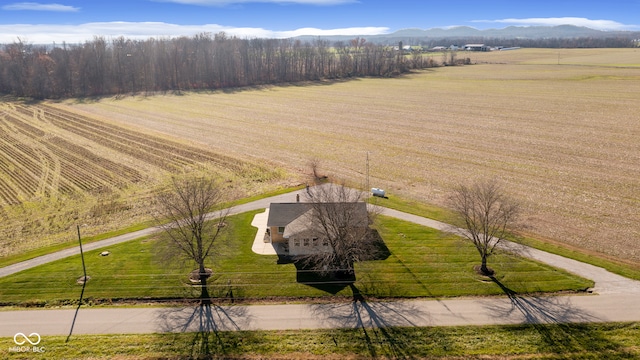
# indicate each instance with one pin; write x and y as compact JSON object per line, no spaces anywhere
{"x":260,"y":246}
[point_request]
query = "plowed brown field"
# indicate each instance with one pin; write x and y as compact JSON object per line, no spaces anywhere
{"x":561,"y":129}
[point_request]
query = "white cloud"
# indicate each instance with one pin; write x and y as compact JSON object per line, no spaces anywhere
{"x":593,"y":24}
{"x":345,"y":31}
{"x":47,"y":34}
{"x":232,"y":2}
{"x":40,"y":7}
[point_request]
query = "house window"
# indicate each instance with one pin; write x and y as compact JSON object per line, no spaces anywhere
{"x":296,"y":242}
{"x":314,"y":241}
{"x":325,"y":242}
{"x":280,"y":229}
{"x":306,"y":242}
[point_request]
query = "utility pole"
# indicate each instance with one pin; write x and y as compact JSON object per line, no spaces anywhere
{"x":84,"y":284}
{"x":84,"y":269}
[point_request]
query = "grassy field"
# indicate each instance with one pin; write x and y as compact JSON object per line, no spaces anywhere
{"x":422,"y":263}
{"x":559,"y":128}
{"x":555,"y":341}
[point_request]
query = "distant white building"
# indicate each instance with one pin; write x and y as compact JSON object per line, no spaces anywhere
{"x":404,"y":48}
{"x":476,"y":47}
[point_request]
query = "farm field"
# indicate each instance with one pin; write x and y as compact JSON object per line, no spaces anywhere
{"x":560,"y":129}
{"x":59,"y":169}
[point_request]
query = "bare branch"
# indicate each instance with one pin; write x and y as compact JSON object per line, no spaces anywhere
{"x":487,"y":214}
{"x":340,"y":217}
{"x":185,"y":214}
{"x":314,"y":164}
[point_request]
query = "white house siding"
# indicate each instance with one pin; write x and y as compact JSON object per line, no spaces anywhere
{"x":307,"y":246}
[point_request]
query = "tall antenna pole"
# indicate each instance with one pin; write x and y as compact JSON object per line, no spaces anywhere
{"x":368,"y":189}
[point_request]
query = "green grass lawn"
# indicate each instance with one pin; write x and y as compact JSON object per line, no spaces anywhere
{"x":9,"y":260}
{"x":555,"y":341}
{"x":422,"y":263}
{"x":433,"y":212}
{"x":427,"y":262}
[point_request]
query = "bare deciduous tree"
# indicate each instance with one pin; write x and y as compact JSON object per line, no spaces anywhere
{"x":184,"y":213}
{"x":487,"y":214}
{"x":314,"y":164}
{"x":340,"y":217}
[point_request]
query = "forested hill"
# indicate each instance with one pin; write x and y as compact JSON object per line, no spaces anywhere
{"x":119,"y":66}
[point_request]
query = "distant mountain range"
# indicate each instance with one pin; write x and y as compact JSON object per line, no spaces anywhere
{"x":511,"y":32}
{"x":531,"y":32}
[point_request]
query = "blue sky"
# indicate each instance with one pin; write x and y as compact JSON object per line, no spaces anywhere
{"x":80,"y":20}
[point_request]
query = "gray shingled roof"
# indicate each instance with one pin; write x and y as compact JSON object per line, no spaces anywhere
{"x":281,"y":214}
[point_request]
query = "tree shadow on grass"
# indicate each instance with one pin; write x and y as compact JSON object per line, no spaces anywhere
{"x":563,"y":327}
{"x":331,"y":283}
{"x":383,"y":325}
{"x":209,"y":326}
{"x":377,"y":246}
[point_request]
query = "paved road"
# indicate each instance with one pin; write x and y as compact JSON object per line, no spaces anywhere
{"x":617,"y":301}
{"x":480,"y":311}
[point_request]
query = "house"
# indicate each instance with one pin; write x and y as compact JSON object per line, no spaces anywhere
{"x":294,"y":228}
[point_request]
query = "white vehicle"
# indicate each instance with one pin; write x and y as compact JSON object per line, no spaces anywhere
{"x":378,"y":192}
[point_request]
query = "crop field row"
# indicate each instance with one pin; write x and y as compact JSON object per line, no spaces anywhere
{"x":559,"y":129}
{"x":163,"y":153}
{"x":76,"y":156}
{"x":37,"y":161}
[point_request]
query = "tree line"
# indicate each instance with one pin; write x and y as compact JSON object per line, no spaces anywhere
{"x":205,"y":61}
